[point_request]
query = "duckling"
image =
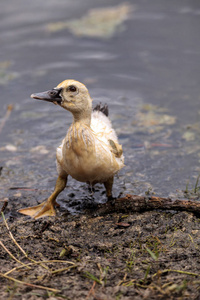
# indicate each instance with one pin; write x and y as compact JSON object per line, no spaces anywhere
{"x":90,"y":151}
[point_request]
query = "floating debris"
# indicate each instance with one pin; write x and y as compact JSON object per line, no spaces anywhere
{"x":99,"y":22}
{"x":40,"y":149}
{"x":152,"y":119}
{"x":151,"y":107}
{"x":188,"y":136}
{"x":5,"y":75}
{"x":10,"y":148}
{"x":5,"y":64}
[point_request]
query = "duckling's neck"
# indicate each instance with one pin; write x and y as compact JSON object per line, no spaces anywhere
{"x":82,"y":118}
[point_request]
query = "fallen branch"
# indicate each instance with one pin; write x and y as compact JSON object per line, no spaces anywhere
{"x":133,"y":203}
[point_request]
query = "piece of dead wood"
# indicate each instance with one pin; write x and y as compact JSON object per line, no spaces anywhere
{"x":5,"y":204}
{"x":134,"y":203}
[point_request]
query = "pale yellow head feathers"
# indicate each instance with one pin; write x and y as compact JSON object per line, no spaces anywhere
{"x":75,"y":96}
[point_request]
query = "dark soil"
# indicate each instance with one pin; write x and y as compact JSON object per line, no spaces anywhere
{"x":149,"y":255}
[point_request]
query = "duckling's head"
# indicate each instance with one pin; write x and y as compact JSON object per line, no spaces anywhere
{"x":69,"y":94}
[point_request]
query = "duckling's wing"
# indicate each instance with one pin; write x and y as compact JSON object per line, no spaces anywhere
{"x":116,"y":148}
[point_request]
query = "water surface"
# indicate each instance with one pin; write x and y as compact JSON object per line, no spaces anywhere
{"x":146,"y":66}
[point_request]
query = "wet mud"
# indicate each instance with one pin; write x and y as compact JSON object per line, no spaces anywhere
{"x":149,"y":255}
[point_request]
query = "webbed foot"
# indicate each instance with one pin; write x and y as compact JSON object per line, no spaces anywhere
{"x":44,"y":209}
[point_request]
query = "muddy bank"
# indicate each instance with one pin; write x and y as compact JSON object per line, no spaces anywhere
{"x":150,"y":255}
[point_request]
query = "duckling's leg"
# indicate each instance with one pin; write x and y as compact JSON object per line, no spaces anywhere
{"x":108,"y":186}
{"x":46,"y":208}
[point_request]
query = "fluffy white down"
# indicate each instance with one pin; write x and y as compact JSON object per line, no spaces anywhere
{"x":102,"y":127}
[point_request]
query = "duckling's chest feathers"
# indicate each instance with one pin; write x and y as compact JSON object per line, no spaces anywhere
{"x":79,"y":140}
{"x":85,"y":157}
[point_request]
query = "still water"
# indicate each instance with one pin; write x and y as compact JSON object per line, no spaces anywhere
{"x":140,"y":57}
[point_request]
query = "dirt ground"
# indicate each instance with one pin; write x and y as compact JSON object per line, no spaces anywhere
{"x":150,"y":255}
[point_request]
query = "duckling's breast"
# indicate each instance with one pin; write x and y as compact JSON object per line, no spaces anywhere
{"x":85,"y":157}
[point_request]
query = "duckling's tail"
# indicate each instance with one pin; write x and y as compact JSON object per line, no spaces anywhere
{"x":102,"y":108}
{"x":44,"y":209}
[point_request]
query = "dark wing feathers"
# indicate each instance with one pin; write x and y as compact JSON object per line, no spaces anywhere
{"x":103,"y":108}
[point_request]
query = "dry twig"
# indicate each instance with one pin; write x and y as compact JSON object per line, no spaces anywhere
{"x":5,"y":200}
{"x":91,"y":291}
{"x":6,"y":117}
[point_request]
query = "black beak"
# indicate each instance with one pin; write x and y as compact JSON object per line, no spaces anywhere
{"x":50,"y":96}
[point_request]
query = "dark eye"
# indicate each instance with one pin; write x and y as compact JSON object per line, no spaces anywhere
{"x":71,"y":88}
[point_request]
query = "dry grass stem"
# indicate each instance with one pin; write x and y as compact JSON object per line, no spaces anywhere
{"x":39,"y":263}
{"x":30,"y":284}
{"x":176,"y":271}
{"x":11,"y":235}
{"x":62,"y":270}
{"x":20,"y":248}
{"x":11,"y":255}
